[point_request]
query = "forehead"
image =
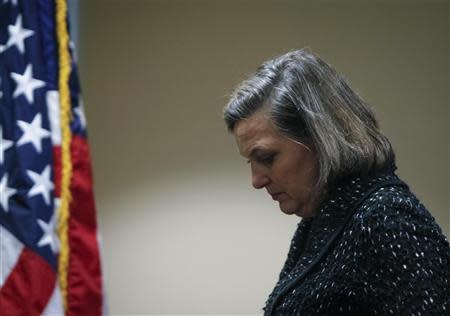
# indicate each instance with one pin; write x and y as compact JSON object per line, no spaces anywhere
{"x":256,"y":131}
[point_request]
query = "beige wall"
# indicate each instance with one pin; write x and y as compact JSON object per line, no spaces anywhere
{"x":183,"y":231}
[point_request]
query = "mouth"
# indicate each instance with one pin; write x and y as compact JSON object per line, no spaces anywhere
{"x":275,"y":196}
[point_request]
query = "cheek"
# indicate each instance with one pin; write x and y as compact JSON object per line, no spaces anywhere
{"x":300,"y":181}
{"x":289,"y":181}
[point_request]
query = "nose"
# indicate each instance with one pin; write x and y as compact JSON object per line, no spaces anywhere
{"x":260,"y":178}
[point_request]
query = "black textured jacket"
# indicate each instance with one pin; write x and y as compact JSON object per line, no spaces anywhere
{"x":372,"y":249}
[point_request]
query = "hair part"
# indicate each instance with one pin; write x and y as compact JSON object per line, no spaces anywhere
{"x":310,"y":102}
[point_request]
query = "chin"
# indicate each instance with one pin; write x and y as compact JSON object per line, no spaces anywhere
{"x":288,"y":212}
{"x":289,"y":209}
{"x":295,"y":210}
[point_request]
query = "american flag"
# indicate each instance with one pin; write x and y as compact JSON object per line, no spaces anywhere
{"x":49,"y":251}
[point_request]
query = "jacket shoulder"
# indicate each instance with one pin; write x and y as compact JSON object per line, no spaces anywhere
{"x":395,"y":209}
{"x":407,"y":257}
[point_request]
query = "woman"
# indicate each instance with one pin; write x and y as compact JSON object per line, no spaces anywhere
{"x":365,"y":244}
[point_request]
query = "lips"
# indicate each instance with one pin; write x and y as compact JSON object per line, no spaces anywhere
{"x":275,"y":196}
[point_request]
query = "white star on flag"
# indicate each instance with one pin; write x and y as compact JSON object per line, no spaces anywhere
{"x":33,"y":132}
{"x":13,"y":2}
{"x":5,"y":193}
{"x":26,"y":84}
{"x":18,"y":34}
{"x":4,"y":145}
{"x":49,"y":237}
{"x":79,"y":111}
{"x":42,"y":184}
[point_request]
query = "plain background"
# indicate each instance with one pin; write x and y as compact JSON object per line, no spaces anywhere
{"x":183,"y":231}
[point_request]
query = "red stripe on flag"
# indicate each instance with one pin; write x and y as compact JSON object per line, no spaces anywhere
{"x":84,"y":275}
{"x":28,"y":287}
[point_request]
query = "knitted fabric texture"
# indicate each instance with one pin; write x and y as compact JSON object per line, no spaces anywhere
{"x":372,"y":249}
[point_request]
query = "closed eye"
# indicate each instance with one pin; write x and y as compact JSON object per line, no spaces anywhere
{"x":266,"y":160}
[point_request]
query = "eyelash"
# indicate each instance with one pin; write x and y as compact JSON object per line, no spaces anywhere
{"x":265,"y":160}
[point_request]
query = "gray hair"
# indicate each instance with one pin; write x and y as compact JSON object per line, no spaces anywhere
{"x":310,"y":102}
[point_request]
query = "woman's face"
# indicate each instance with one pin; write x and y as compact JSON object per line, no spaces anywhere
{"x":287,"y":169}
